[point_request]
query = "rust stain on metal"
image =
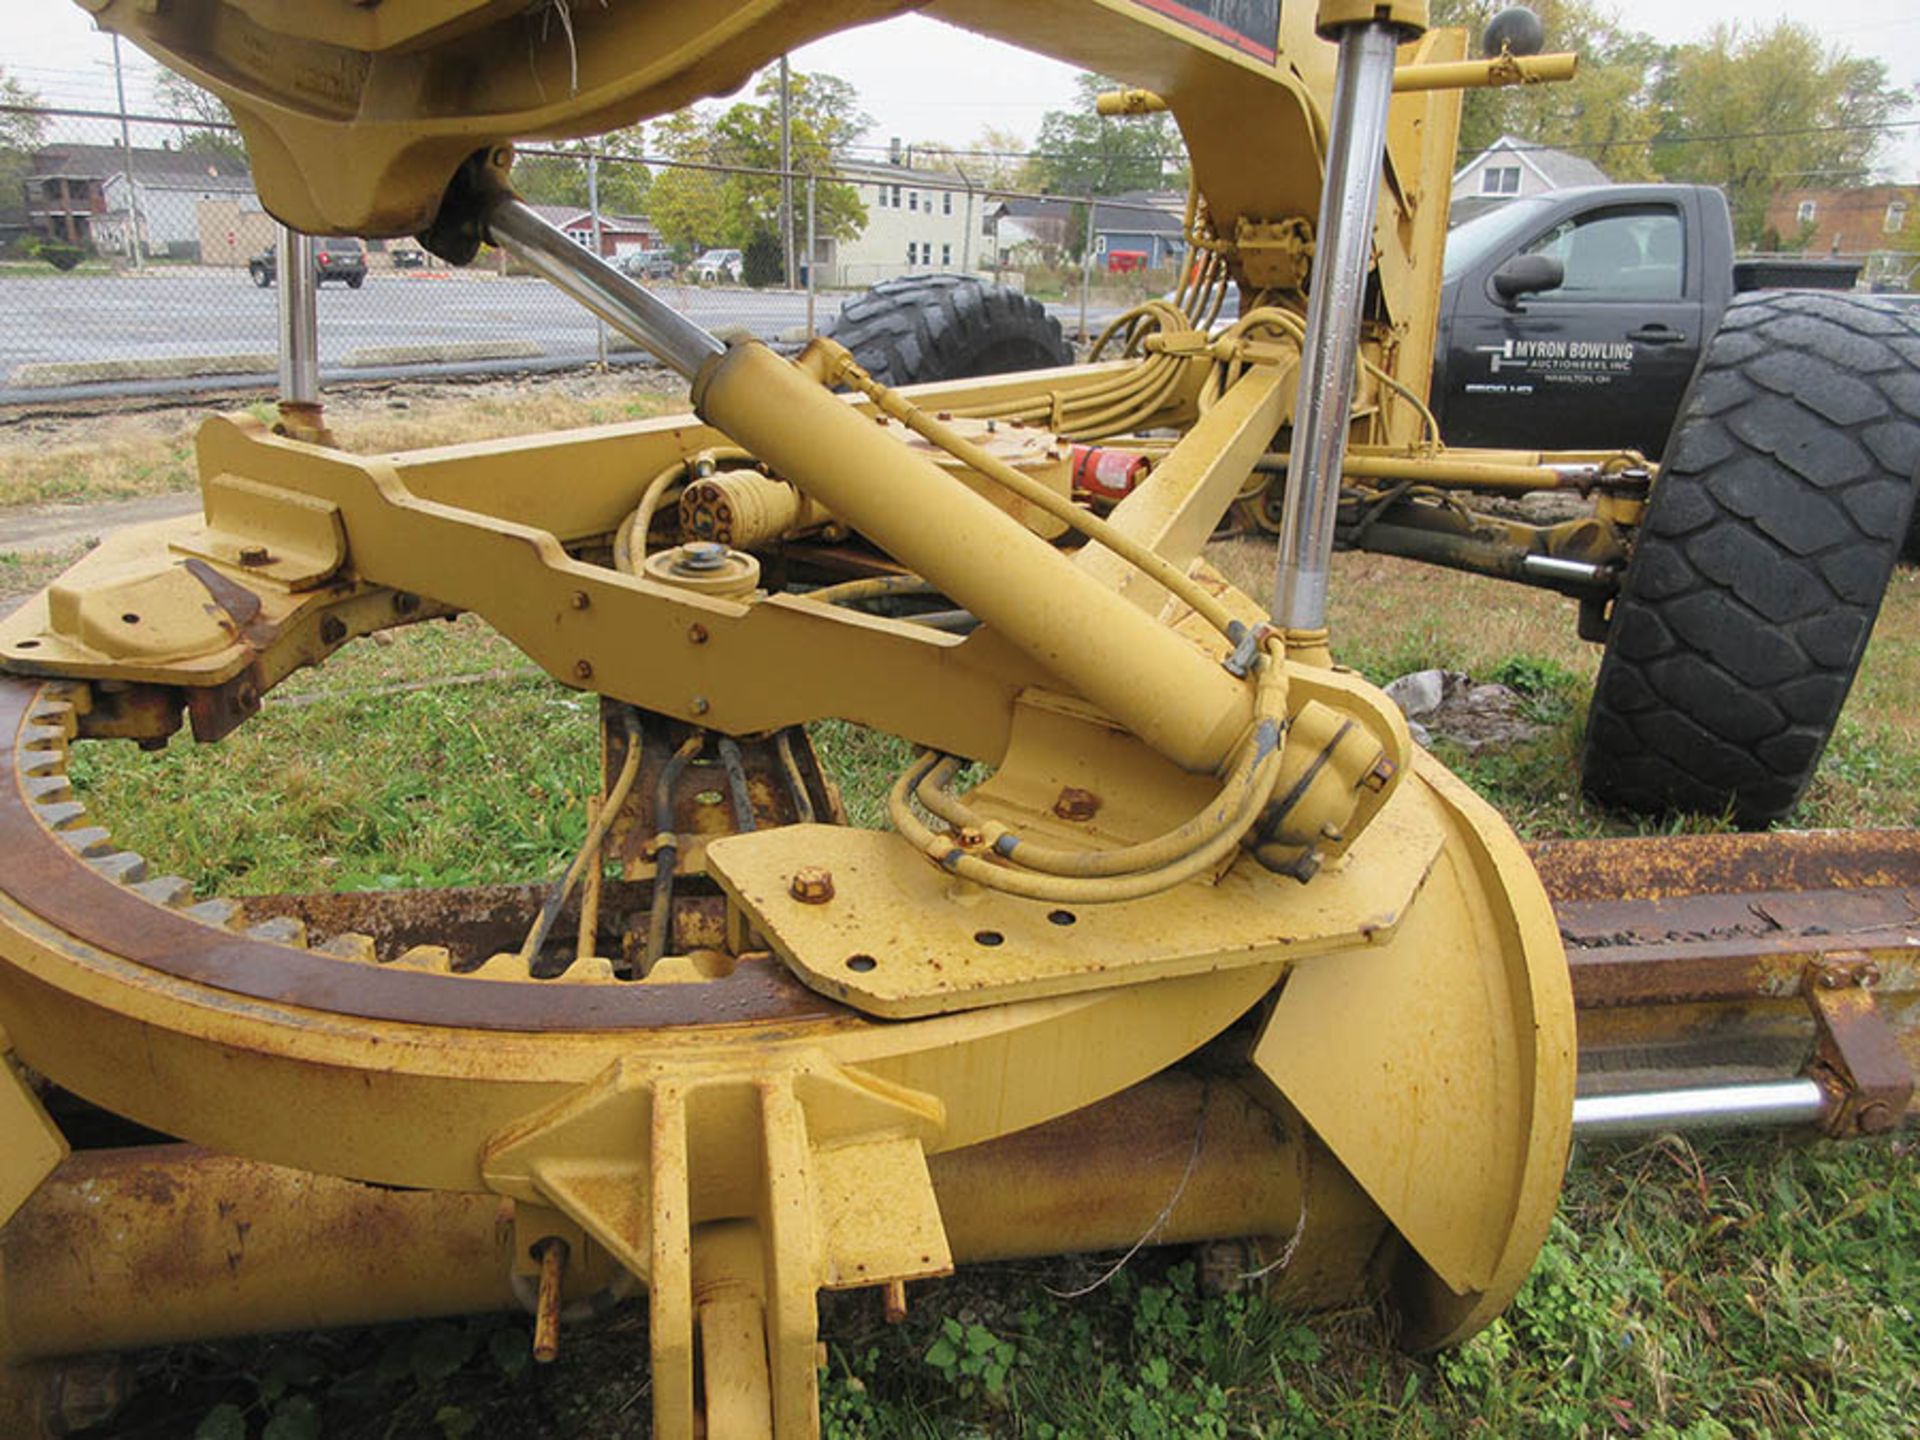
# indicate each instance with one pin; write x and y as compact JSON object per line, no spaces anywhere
{"x":1074,"y":803}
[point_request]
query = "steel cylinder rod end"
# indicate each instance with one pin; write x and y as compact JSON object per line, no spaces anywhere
{"x":552,"y":1254}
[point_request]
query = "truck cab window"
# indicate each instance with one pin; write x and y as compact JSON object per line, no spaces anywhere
{"x":1625,"y":254}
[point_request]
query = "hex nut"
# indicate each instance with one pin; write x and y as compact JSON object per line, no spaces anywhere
{"x":811,"y":885}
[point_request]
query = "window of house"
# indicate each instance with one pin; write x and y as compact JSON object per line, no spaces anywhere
{"x":1896,"y":217}
{"x":913,"y":199}
{"x":1099,"y":244}
{"x":896,"y":197}
{"x":880,"y":197}
{"x":946,"y":202}
{"x":1500,"y":180}
{"x":946,"y":255}
{"x":1807,"y":213}
{"x":913,"y":252}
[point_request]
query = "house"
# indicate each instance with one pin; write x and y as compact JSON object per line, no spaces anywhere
{"x":918,"y":222}
{"x":1512,"y":167}
{"x":82,"y":194}
{"x":620,"y":235}
{"x":1150,"y":225}
{"x":1025,"y":230}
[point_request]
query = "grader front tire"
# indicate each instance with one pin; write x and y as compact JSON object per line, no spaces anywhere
{"x":1781,"y":506}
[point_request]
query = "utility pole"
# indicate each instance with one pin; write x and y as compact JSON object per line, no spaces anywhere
{"x":813,"y":256}
{"x":786,"y":175}
{"x":599,"y":246}
{"x":126,"y":155}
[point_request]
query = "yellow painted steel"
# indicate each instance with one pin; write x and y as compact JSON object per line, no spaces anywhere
{"x":732,"y":1140}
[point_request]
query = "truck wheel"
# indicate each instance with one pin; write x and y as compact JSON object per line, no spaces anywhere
{"x":947,"y":327}
{"x":260,"y":276}
{"x":1782,"y":504}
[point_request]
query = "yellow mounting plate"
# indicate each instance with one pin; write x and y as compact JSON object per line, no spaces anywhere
{"x":902,"y":938}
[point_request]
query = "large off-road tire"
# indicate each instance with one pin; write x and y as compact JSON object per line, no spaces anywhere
{"x":947,"y":327}
{"x":1782,"y":504}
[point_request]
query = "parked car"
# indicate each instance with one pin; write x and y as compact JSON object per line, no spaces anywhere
{"x":721,"y":266}
{"x":407,"y":257}
{"x":335,"y":257}
{"x":649,"y":265}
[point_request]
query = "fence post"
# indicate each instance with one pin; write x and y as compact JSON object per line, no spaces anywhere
{"x":599,"y":248}
{"x":1086,"y":268}
{"x":813,"y":257}
{"x":126,"y":153}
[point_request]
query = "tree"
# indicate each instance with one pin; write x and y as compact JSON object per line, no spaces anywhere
{"x":1606,"y":113}
{"x":205,"y":122}
{"x":1081,"y":152}
{"x":1751,"y":110}
{"x":558,"y":176}
{"x":695,"y":208}
{"x":21,"y":133}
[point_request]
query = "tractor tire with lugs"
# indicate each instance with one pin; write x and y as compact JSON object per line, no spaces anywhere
{"x":947,"y":327}
{"x":1782,"y":504}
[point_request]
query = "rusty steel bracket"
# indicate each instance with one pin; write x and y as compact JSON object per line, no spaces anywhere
{"x":1857,"y":1059}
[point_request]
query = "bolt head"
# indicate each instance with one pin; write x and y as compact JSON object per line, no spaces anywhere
{"x":252,"y":555}
{"x":696,"y":634}
{"x":811,"y":885}
{"x":583,"y":669}
{"x":581,"y":600}
{"x":1074,"y":803}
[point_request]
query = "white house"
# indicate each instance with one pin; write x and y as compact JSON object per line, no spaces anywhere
{"x":918,"y":222}
{"x":1512,"y":167}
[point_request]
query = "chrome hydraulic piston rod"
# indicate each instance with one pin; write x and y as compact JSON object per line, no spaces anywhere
{"x":1343,"y":245}
{"x":1775,"y":1104}
{"x":627,"y":306}
{"x":299,"y":319}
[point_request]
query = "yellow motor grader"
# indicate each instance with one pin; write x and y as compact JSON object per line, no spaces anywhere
{"x":1207,"y":884}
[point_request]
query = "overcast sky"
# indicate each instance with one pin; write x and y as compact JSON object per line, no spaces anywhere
{"x":922,"y":81}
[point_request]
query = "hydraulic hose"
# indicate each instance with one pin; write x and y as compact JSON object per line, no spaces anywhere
{"x":589,"y":852}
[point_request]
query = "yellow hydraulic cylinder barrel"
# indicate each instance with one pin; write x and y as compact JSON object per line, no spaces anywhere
{"x":1101,"y":645}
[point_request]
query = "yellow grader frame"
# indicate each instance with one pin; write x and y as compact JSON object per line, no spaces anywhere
{"x":1210,"y":884}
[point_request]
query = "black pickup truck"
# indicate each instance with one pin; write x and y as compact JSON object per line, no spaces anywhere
{"x":1573,"y":320}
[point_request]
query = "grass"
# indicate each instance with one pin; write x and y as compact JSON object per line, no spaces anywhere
{"x":1733,"y":1289}
{"x":133,"y":455}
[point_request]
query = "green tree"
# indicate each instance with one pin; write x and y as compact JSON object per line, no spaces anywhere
{"x":1081,"y":152}
{"x":695,"y":208}
{"x":1752,"y":110}
{"x":21,"y":133}
{"x":197,"y":110}
{"x":1606,"y":113}
{"x":558,"y":175}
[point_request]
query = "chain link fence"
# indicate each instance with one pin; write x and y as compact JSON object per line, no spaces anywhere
{"x":135,"y":257}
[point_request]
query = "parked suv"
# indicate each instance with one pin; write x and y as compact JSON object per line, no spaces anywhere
{"x":649,"y":265}
{"x":717,"y":265}
{"x":336,"y":257}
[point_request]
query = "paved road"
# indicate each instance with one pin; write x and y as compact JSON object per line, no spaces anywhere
{"x":173,"y":312}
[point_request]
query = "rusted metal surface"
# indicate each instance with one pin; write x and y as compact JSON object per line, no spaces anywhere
{"x":1716,"y":956}
{"x":58,"y":886}
{"x":1857,"y":1058}
{"x":1674,"y":865}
